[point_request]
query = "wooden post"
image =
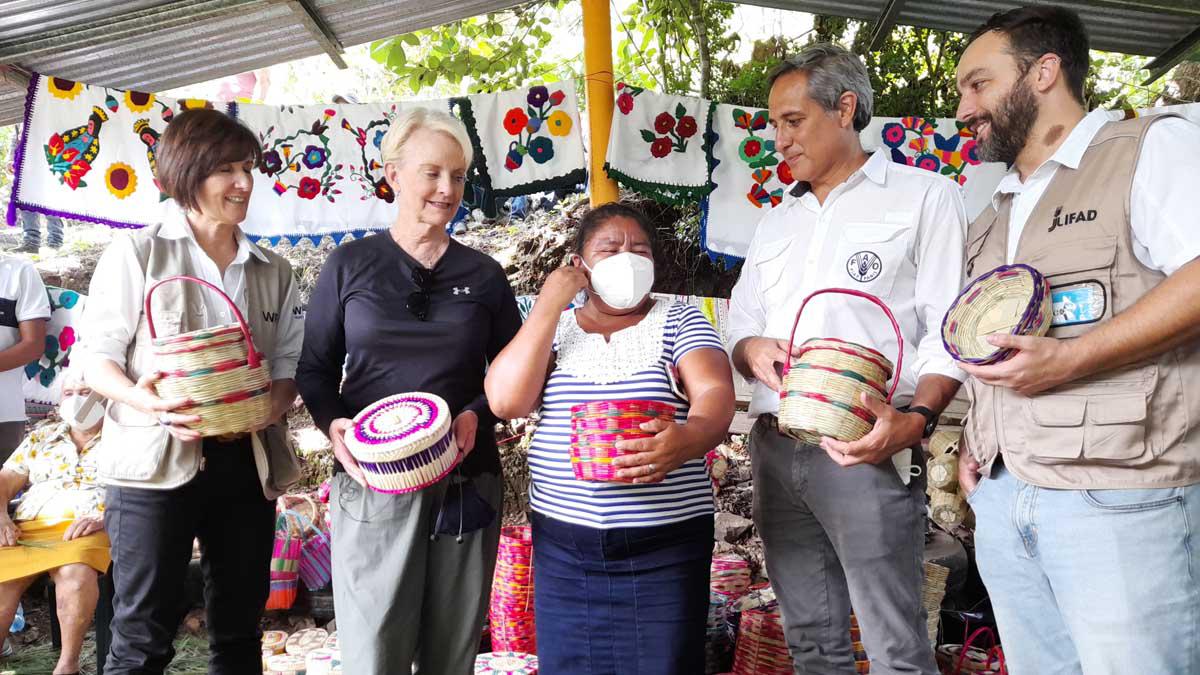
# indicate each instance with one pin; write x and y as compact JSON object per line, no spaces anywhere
{"x":598,"y":69}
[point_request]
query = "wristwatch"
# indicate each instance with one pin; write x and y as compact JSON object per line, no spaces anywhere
{"x":931,"y":418}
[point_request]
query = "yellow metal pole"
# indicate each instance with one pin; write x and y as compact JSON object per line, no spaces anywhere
{"x":598,"y":69}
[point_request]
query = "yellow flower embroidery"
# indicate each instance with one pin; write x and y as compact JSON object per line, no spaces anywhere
{"x":559,"y":123}
{"x":120,"y":179}
{"x":64,"y":89}
{"x":138,"y":101}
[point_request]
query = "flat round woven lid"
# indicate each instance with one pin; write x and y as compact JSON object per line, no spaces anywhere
{"x":506,"y":663}
{"x":398,"y":426}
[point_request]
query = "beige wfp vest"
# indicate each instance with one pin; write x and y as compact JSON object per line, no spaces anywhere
{"x":134,"y":450}
{"x":1133,"y":427}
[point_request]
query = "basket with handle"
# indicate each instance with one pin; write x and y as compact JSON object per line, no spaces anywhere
{"x":822,"y":385}
{"x":224,"y":378}
{"x":285,"y":560}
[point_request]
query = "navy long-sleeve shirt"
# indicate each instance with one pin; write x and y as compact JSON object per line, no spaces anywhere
{"x":358,"y":317}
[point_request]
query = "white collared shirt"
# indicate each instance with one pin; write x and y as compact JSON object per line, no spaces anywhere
{"x":1162,"y":211}
{"x":894,"y":231}
{"x":114,"y":305}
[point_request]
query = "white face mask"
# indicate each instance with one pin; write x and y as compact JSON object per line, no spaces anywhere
{"x":622,"y":280}
{"x":82,"y":412}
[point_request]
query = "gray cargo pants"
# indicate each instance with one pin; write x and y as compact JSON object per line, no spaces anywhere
{"x":837,"y":537}
{"x":404,"y":603}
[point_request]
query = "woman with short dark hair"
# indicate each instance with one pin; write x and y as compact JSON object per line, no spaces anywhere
{"x":620,"y":567}
{"x":166,"y":485}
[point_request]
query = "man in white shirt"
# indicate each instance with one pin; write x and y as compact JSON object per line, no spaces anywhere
{"x":842,"y":523}
{"x":24,"y":310}
{"x":1088,"y":514}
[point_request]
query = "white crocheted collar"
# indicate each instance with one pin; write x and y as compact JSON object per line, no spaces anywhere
{"x":588,"y":356}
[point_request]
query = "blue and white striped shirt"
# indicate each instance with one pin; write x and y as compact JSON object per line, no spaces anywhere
{"x":634,"y":364}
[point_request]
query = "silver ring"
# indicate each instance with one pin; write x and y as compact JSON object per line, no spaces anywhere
{"x":163,"y":421}
{"x":651,"y":467}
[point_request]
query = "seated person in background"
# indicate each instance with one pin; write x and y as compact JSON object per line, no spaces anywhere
{"x":58,"y":526}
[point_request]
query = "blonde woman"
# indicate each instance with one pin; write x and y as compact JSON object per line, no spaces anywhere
{"x":410,"y":309}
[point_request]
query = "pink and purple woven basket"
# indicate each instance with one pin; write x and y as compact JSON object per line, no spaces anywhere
{"x":596,"y":427}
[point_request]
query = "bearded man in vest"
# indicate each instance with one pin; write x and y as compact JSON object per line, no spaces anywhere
{"x":1082,"y":452}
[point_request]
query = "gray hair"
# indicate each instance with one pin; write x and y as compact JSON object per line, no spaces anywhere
{"x":832,"y":71}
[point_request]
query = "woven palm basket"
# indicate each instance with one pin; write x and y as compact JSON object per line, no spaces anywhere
{"x":822,"y":386}
{"x":1009,"y":300}
{"x":597,"y":426}
{"x":225,"y":379}
{"x":404,"y":442}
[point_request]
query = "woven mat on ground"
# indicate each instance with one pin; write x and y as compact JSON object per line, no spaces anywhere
{"x":657,"y":145}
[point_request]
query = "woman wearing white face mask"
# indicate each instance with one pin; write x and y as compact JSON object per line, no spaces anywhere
{"x":58,"y":526}
{"x":621,"y":568}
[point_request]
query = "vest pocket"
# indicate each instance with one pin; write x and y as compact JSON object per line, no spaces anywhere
{"x":1080,"y":276}
{"x":1102,"y":429}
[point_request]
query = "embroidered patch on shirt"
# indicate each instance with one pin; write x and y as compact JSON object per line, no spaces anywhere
{"x":864,"y":266}
{"x":1078,"y":303}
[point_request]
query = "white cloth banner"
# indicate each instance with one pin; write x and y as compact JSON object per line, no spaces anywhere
{"x":530,"y":138}
{"x":87,"y":152}
{"x":657,"y":144}
{"x":322,"y":172}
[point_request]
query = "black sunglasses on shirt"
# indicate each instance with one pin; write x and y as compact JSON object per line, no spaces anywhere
{"x":418,"y":300}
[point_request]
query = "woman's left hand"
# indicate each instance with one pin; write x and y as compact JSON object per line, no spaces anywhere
{"x":464,"y":427}
{"x":651,"y":459}
{"x":83,"y":526}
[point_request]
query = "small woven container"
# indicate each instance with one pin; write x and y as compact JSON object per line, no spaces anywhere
{"x":274,"y":641}
{"x":597,"y":426}
{"x":822,"y":386}
{"x":306,"y":640}
{"x":1009,"y":300}
{"x":321,"y":661}
{"x":404,"y":442}
{"x":933,"y":591}
{"x":967,"y":659}
{"x":285,"y":560}
{"x":285,"y":664}
{"x":761,"y":647}
{"x":510,"y":613}
{"x":506,"y":663}
{"x":729,"y":576}
{"x":945,"y":440}
{"x":947,"y":509}
{"x":942,"y":472}
{"x":224,"y":378}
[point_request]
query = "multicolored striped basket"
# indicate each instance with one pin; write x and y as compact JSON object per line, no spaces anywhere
{"x":761,"y":647}
{"x":510,"y":613}
{"x":404,"y":442}
{"x":729,"y":576}
{"x":597,"y":426}
{"x":1009,"y":300}
{"x":506,"y":663}
{"x":225,"y":379}
{"x":285,"y":560}
{"x":822,"y":385}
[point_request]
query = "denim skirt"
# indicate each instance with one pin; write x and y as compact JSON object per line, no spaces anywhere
{"x":624,"y":601}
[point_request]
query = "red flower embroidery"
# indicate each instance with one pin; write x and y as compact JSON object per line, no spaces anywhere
{"x":686,"y":127}
{"x":625,"y":103}
{"x":664,"y":123}
{"x":73,"y":175}
{"x":661,"y":147}
{"x":515,"y":121}
{"x":557,"y":97}
{"x":309,"y":187}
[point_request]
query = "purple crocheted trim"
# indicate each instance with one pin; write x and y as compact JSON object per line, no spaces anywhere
{"x":369,"y":418}
{"x":412,"y":463}
{"x":19,"y":155}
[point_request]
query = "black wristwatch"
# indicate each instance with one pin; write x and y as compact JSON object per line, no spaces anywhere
{"x":931,"y":418}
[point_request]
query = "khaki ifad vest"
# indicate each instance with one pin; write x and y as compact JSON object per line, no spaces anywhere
{"x":134,"y":450}
{"x":1132,"y":427}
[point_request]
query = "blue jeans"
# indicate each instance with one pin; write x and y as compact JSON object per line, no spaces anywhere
{"x":33,"y":232}
{"x":1103,"y":582}
{"x":624,"y":601}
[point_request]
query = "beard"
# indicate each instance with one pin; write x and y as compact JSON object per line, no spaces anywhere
{"x":1009,"y":127}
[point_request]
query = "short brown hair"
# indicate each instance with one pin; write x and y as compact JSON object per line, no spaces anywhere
{"x":1033,"y":32}
{"x":195,"y":143}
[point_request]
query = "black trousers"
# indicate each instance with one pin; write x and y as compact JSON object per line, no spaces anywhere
{"x":151,"y":533}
